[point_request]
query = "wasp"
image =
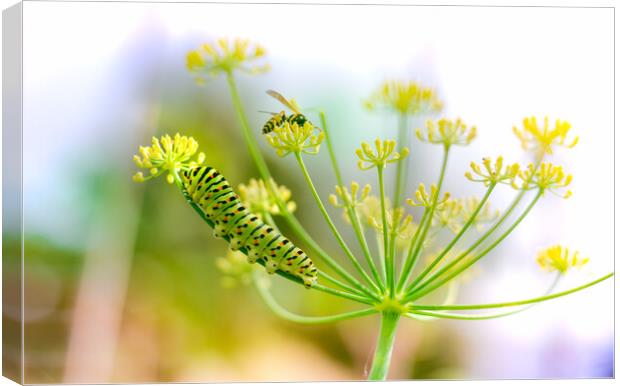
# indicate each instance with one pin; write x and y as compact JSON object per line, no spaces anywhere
{"x":278,"y":119}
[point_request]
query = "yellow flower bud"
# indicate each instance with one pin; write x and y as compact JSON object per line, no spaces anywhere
{"x":558,"y":258}
{"x":226,"y":56}
{"x":404,"y":97}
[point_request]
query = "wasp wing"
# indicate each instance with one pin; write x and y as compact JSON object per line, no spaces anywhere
{"x":284,"y":101}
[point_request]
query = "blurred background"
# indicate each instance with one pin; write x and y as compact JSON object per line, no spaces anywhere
{"x":120,"y":279}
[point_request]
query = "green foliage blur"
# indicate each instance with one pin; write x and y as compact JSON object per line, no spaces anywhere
{"x":141,"y":300}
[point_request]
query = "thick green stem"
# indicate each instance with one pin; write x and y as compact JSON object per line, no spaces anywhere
{"x":385,"y":343}
{"x":333,"y":228}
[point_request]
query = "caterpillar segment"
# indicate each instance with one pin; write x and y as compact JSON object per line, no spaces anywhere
{"x":207,"y":188}
{"x":219,"y":206}
{"x":243,"y":231}
{"x":260,"y":242}
{"x":239,"y":214}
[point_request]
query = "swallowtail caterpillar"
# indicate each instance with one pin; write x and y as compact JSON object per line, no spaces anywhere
{"x":208,"y":189}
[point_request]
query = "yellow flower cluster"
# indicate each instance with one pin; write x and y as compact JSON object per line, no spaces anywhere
{"x":424,"y":199}
{"x":546,"y":177}
{"x":448,"y":215}
{"x":382,"y":155}
{"x":293,"y":138}
{"x":405,"y":98}
{"x":447,"y":132}
{"x":485,"y":215}
{"x":167,"y":154}
{"x":456,"y":212}
{"x":557,"y":258}
{"x":235,"y":269}
{"x":370,"y":209}
{"x":494,"y":173}
{"x":257,"y":198}
{"x":542,"y":139}
{"x":349,"y":198}
{"x":399,"y":223}
{"x":226,"y":56}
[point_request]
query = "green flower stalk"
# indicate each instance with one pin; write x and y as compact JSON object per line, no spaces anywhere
{"x":383,"y":279}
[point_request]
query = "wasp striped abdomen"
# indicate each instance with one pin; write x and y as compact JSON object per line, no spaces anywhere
{"x":280,"y":118}
{"x":274,"y":122}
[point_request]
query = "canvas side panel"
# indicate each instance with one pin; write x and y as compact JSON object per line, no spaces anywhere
{"x":12,"y":237}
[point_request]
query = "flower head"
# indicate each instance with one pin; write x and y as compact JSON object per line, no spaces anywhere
{"x":485,"y":215}
{"x":557,"y":258}
{"x":349,"y":198}
{"x":258,"y":199}
{"x":226,"y":56}
{"x":455,"y":213}
{"x":493,"y":173}
{"x":448,"y":215}
{"x":546,"y":177}
{"x":370,"y":209}
{"x":383,"y":155}
{"x":447,"y":132}
{"x":398,"y":222}
{"x":542,"y":139}
{"x":235,"y":268}
{"x":404,"y":97}
{"x":424,"y":199}
{"x":293,"y":138}
{"x":405,"y":234}
{"x":167,"y":154}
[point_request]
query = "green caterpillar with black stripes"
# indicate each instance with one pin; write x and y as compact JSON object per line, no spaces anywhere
{"x":207,"y":188}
